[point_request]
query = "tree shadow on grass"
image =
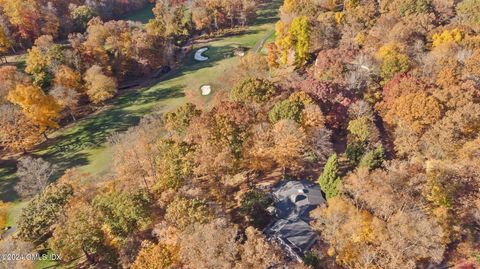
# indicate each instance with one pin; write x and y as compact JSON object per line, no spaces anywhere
{"x":268,"y":13}
{"x":65,"y":150}
{"x":68,"y":149}
{"x":8,"y":180}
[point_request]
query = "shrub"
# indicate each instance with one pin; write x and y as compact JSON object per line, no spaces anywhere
{"x":254,"y":204}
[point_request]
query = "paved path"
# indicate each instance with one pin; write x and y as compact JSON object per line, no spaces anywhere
{"x":258,"y":47}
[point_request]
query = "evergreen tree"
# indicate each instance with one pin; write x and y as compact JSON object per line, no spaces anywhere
{"x":330,"y":180}
{"x":373,"y":159}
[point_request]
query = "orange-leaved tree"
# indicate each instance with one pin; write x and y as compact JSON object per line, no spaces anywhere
{"x":40,"y":108}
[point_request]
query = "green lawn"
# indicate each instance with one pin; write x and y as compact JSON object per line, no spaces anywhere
{"x":83,"y":144}
{"x":142,"y":15}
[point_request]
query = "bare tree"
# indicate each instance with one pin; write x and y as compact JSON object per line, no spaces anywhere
{"x":34,"y":174}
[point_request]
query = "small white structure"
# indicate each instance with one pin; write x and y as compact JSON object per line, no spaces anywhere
{"x":206,"y":90}
{"x":199,"y":55}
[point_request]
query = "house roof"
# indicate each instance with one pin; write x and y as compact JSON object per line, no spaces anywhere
{"x":295,"y":199}
{"x":293,"y":202}
{"x":297,"y":234}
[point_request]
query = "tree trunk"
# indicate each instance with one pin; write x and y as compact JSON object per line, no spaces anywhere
{"x":45,"y":135}
{"x":73,"y":116}
{"x":89,"y":257}
{"x":215,"y":20}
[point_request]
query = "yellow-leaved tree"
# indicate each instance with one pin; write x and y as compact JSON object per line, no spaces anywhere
{"x":40,"y":108}
{"x":5,"y":43}
{"x":99,"y":86}
{"x":68,"y":78}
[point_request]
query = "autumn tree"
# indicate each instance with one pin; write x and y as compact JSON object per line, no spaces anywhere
{"x":79,"y":233}
{"x":260,"y":143}
{"x":253,"y":90}
{"x":467,"y":11}
{"x":353,"y":235}
{"x":179,"y":120}
{"x":399,"y":85}
{"x":5,"y":43}
{"x":35,"y":174}
{"x":210,"y":245}
{"x":67,"y":99}
{"x":17,"y":132}
{"x":300,"y":33}
{"x":331,"y":64}
{"x":451,"y":132}
{"x":273,"y":55}
{"x":135,"y":154}
{"x":289,"y":144}
{"x":25,"y":15}
{"x":10,"y":77}
{"x":182,"y":212}
{"x":68,"y":78}
{"x":157,"y":256}
{"x":283,"y":41}
{"x":42,"y":60}
{"x":359,"y":239}
{"x":175,"y":164}
{"x":4,"y":209}
{"x":99,"y":86}
{"x":172,"y":21}
{"x":286,"y":110}
{"x":122,"y":212}
{"x":40,"y":108}
{"x":419,"y":111}
{"x":219,"y":136}
{"x":41,"y":213}
{"x":258,"y":252}
{"x":312,"y":117}
{"x":81,"y":15}
{"x":330,"y":180}
{"x":394,"y":61}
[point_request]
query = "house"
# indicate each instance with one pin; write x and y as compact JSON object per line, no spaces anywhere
{"x":290,"y":228}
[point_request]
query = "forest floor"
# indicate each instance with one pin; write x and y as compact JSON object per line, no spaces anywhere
{"x":84,"y":145}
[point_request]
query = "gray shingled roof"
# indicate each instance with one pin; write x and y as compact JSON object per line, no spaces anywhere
{"x":295,"y":199}
{"x":293,"y":202}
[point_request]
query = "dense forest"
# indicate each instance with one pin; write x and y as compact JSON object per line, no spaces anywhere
{"x":376,"y":102}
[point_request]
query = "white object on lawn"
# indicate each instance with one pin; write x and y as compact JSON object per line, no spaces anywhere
{"x":206,"y":90}
{"x":199,"y":55}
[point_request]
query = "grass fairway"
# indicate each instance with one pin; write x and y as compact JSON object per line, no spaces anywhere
{"x":83,"y":144}
{"x":142,"y":15}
